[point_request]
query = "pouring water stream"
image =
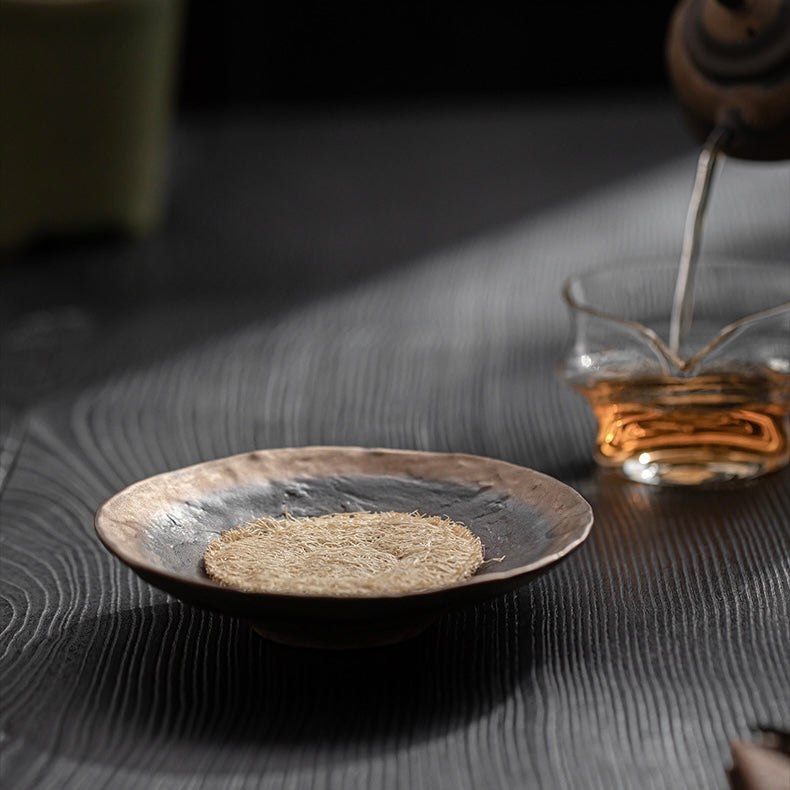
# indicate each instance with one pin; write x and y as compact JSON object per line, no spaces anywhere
{"x":683,"y":300}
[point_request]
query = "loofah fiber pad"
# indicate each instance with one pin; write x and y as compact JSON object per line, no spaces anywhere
{"x":348,"y":554}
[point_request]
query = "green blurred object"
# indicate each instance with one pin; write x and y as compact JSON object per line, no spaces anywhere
{"x":86,"y":92}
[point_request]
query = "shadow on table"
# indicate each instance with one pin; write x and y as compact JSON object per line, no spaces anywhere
{"x":270,"y":211}
{"x":170,"y":688}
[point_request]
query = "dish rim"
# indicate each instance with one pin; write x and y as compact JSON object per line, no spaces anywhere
{"x":104,"y":522}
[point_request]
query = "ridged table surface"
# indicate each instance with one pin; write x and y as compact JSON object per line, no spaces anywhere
{"x":632,"y":664}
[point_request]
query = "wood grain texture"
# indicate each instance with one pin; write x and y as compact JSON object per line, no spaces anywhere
{"x":629,"y":666}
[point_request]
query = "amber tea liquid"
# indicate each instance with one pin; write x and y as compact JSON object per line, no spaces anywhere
{"x":688,"y":431}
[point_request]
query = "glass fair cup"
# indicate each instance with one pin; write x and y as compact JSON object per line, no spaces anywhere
{"x":713,"y":410}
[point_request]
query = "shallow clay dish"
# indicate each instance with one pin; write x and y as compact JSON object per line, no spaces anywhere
{"x":161,"y":526}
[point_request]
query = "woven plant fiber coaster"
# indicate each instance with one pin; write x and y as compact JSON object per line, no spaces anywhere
{"x":344,"y":554}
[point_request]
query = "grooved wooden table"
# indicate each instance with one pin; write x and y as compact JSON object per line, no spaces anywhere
{"x":379,"y":278}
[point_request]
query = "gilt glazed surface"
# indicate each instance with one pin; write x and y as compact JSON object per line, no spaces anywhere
{"x":161,"y":526}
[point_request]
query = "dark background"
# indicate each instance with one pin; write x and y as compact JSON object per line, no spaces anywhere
{"x":320,"y":144}
{"x":245,"y":53}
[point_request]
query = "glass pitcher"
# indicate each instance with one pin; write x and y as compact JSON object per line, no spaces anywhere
{"x":711,"y":411}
